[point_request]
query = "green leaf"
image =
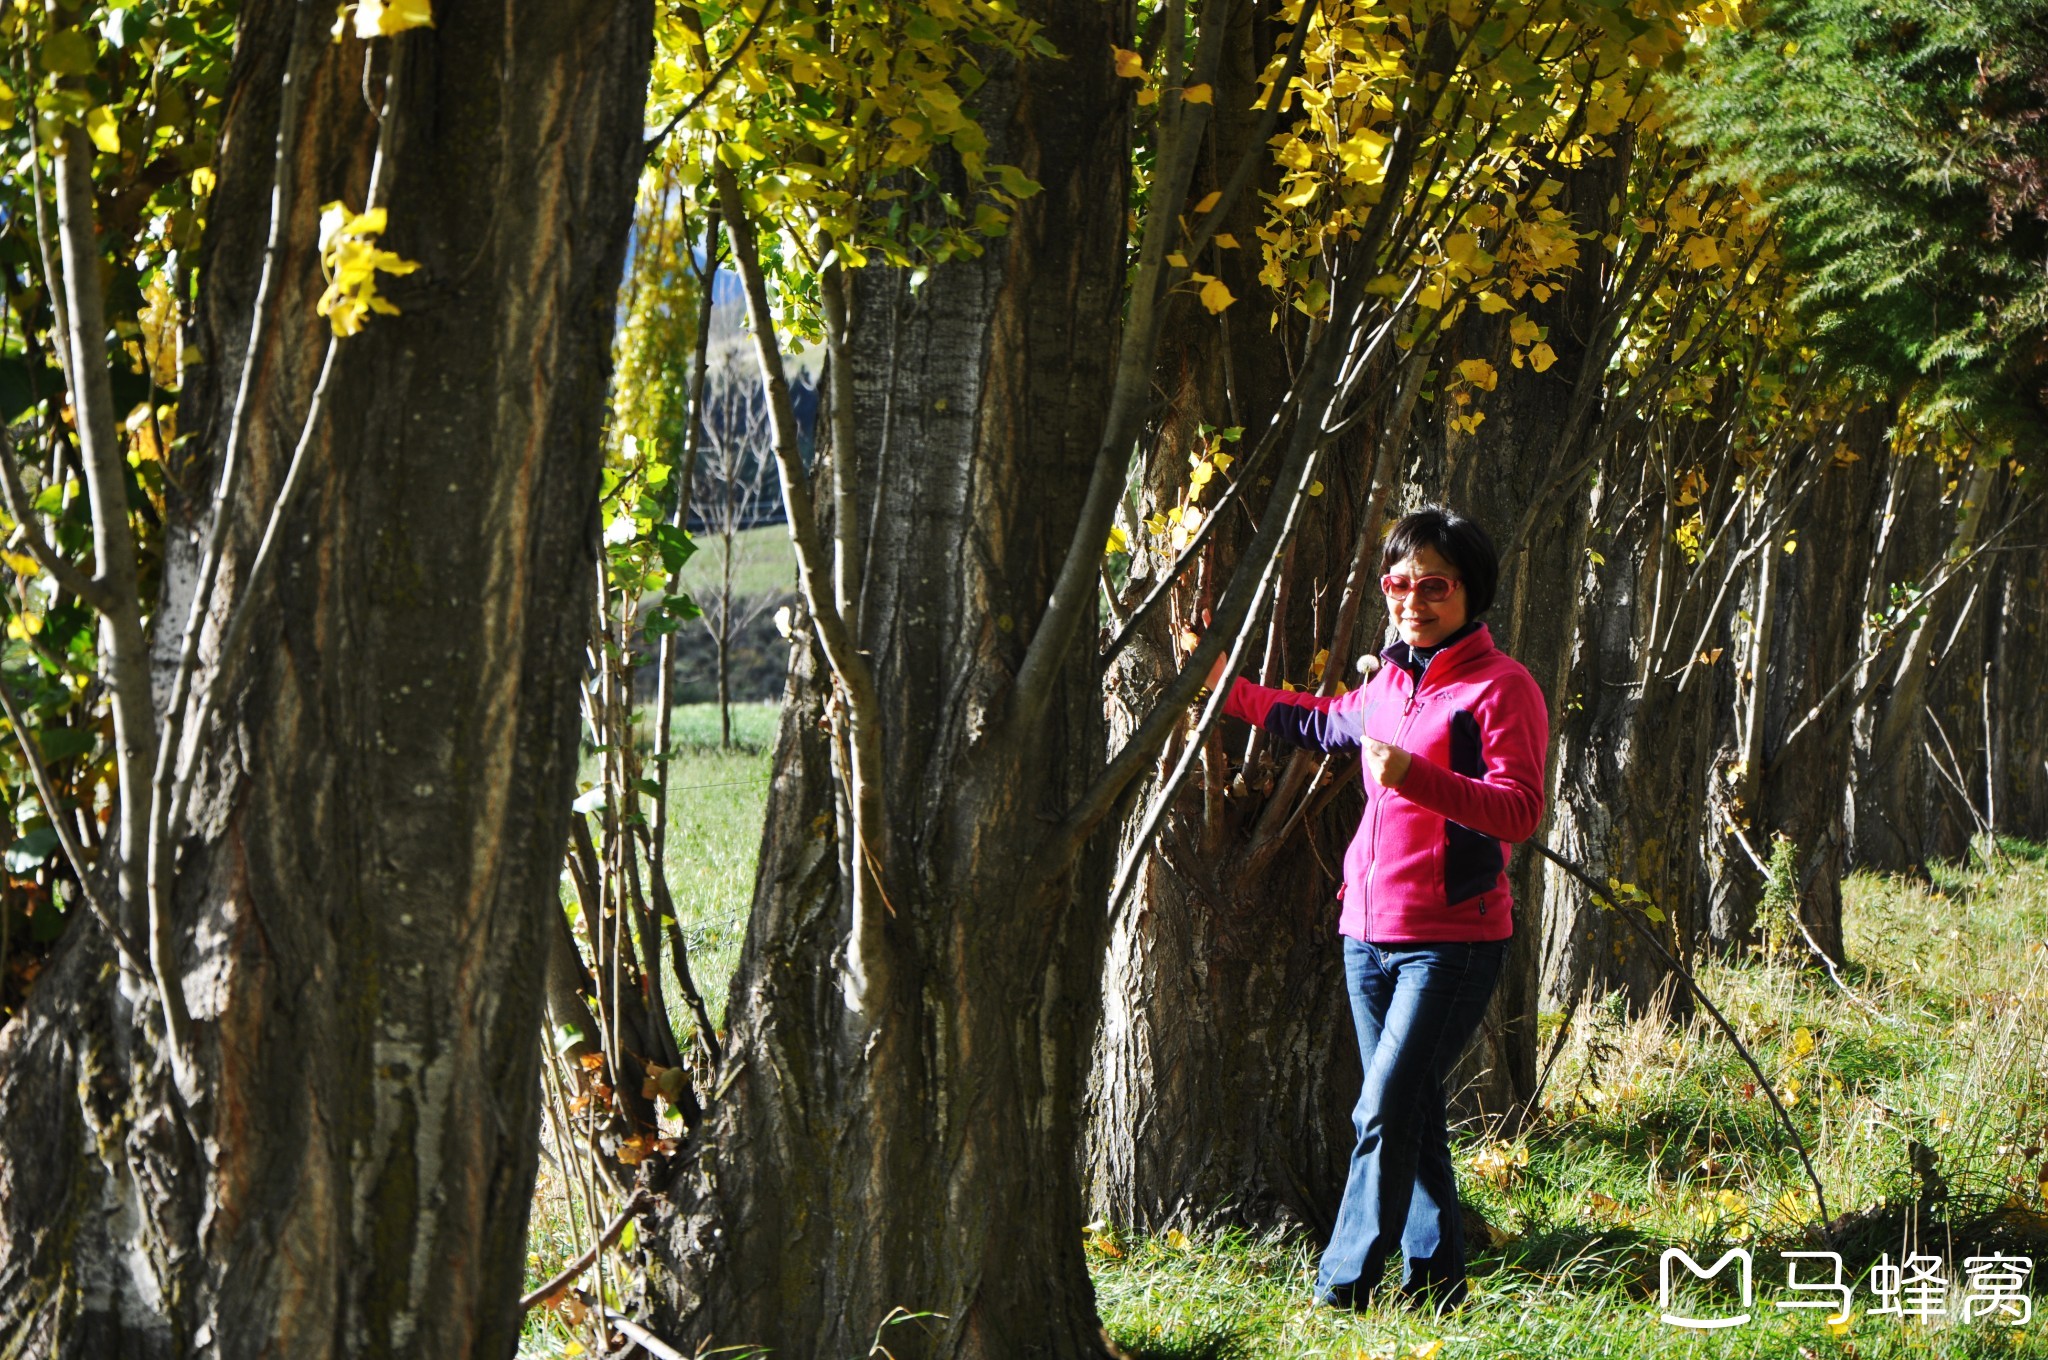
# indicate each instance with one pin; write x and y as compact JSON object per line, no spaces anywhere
{"x":67,"y":52}
{"x":1015,"y":182}
{"x":62,"y":743}
{"x":676,"y":546}
{"x":32,"y":850}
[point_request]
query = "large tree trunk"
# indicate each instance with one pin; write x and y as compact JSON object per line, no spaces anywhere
{"x":1225,"y":1071}
{"x":1632,"y":753}
{"x":361,"y":909}
{"x":902,"y":1141}
{"x":1893,"y":807}
{"x":1524,"y":474}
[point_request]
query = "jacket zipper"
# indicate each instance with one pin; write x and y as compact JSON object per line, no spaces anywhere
{"x":1372,"y":872}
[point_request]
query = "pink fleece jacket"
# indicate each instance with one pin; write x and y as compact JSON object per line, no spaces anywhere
{"x":1429,"y":862}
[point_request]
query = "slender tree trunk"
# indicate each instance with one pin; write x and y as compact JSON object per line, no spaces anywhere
{"x":2019,"y":682}
{"x":895,"y":1134}
{"x":361,"y":910}
{"x":1894,"y":787}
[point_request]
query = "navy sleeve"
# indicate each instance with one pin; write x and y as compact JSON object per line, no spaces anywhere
{"x":1326,"y":730}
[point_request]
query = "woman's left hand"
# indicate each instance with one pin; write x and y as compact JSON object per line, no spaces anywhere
{"x":1388,"y":765}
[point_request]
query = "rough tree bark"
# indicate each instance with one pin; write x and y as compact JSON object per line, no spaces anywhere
{"x":1224,"y":1072}
{"x":1895,"y":801}
{"x":362,"y":904}
{"x":1821,"y":596}
{"x":1524,"y":475}
{"x":901,"y":1139}
{"x":1638,"y":742}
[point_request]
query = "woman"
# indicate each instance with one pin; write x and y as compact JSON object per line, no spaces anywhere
{"x":1452,"y":735}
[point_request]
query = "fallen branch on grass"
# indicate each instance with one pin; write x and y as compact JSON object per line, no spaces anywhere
{"x":1649,"y":937}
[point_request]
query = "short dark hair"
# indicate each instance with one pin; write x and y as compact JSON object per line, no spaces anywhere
{"x":1459,"y":540}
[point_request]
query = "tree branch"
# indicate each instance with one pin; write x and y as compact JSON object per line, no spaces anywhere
{"x":1649,"y":937}
{"x":65,"y":572}
{"x":1073,"y":592}
{"x":73,"y":853}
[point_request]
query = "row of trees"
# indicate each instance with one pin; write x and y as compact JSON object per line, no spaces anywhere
{"x":1135,"y":322}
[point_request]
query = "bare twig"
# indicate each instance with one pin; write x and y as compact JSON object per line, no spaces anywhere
{"x":563,"y":1278}
{"x":1649,"y":937}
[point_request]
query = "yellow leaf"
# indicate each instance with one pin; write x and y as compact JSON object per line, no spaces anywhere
{"x":1225,"y":241}
{"x":1176,"y":1239}
{"x":1523,"y":331}
{"x":1791,"y":545}
{"x":1701,"y":252}
{"x":1177,"y":260}
{"x":24,"y":565}
{"x":103,"y":129}
{"x":1128,"y":63}
{"x":1301,"y":195}
{"x":1802,"y":1042}
{"x":383,"y":18}
{"x":1147,"y":96}
{"x":1541,"y":357}
{"x":1209,"y":201}
{"x":1479,"y":373}
{"x":1198,"y":94}
{"x":1119,"y":541}
{"x":1315,"y":488}
{"x":1215,"y":296}
{"x":1493,"y":304}
{"x":1462,"y":248}
{"x":1426,"y":1352}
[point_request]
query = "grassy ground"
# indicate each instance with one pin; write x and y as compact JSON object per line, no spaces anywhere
{"x":762,"y":560}
{"x":1654,"y":1135}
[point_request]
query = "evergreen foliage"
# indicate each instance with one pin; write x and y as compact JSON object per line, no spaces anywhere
{"x":1900,"y":146}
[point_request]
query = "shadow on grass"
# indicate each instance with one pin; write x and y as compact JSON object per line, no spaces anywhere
{"x":1204,"y":1343}
{"x":1573,"y":1255}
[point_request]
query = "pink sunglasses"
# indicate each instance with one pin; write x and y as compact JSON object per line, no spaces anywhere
{"x":1428,"y":589}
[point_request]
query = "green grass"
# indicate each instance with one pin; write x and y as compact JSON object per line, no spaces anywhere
{"x":763,"y":563}
{"x":1654,"y":1135}
{"x":716,"y":803}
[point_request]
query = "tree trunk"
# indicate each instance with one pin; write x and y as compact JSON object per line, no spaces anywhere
{"x":1522,"y":474}
{"x":901,"y":1141}
{"x":1635,"y":750}
{"x":1894,"y":796}
{"x":1822,"y":596}
{"x":361,"y":910}
{"x":1225,"y":1071}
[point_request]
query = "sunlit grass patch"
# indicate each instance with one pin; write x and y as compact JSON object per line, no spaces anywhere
{"x":1922,"y":1099}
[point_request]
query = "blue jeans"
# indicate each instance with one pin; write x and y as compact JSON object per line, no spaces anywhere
{"x":1416,"y":1006}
